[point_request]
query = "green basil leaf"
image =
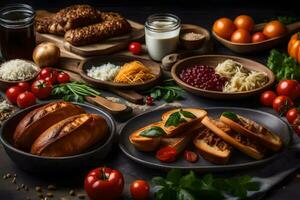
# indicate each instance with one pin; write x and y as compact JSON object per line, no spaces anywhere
{"x":173,"y":120}
{"x":174,"y":176}
{"x":187,"y":114}
{"x":158,"y":181}
{"x":153,"y":132}
{"x":183,"y":194}
{"x":231,"y":115}
{"x":165,"y":193}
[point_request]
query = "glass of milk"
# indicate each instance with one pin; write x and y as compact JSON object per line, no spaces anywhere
{"x":162,"y":35}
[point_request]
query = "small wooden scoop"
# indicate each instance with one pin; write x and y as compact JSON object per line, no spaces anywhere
{"x":114,"y":108}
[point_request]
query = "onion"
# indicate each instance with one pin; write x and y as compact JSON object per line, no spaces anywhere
{"x":46,"y":54}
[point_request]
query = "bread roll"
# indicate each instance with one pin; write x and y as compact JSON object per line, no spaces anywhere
{"x":71,"y":136}
{"x":39,"y":120}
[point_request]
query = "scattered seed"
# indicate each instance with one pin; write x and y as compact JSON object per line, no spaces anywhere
{"x":81,"y":196}
{"x":23,"y":185}
{"x":14,"y":180}
{"x":63,"y":198}
{"x":40,"y":195}
{"x":26,"y":188}
{"x":15,"y":175}
{"x":45,"y":198}
{"x":38,"y":189}
{"x":49,"y":194}
{"x":4,"y":177}
{"x":8,"y":175}
{"x":51,"y":187}
{"x":72,"y":193}
{"x":18,"y":188}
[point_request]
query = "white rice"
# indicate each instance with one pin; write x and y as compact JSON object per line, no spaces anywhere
{"x":105,"y":72}
{"x":15,"y":70}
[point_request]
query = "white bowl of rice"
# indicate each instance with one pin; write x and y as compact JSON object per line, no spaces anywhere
{"x":17,"y":70}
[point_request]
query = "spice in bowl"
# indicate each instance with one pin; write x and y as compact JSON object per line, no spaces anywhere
{"x":18,"y":70}
{"x":191,"y":36}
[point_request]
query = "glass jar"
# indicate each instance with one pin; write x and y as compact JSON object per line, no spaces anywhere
{"x":162,"y":35}
{"x":17,"y":37}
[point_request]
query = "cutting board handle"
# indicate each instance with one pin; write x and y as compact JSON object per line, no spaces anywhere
{"x":129,"y":95}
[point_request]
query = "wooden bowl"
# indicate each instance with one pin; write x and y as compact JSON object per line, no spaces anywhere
{"x":4,"y":84}
{"x":213,"y":61}
{"x":192,"y":44}
{"x":120,"y":60}
{"x":259,"y":46}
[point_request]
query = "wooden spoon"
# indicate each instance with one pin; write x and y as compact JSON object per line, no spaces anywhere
{"x":259,"y":46}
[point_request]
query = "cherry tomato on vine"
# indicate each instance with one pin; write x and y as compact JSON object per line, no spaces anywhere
{"x":26,"y":99}
{"x":12,"y":93}
{"x":63,"y":77}
{"x":282,"y":104}
{"x":24,"y":86}
{"x":267,"y":98}
{"x":41,"y":89}
{"x":292,"y":115}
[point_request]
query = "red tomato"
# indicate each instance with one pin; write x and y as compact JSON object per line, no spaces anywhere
{"x":26,"y":99}
{"x":267,"y":98}
{"x":166,"y":154}
{"x":139,"y":190}
{"x":244,"y":22}
{"x":258,"y":37}
{"x":45,"y":72}
{"x":12,"y":93}
{"x":241,"y":36}
{"x":282,"y":104}
{"x":104,"y":183}
{"x":41,"y":88}
{"x":190,"y":156}
{"x":296,"y":127}
{"x":48,"y":74}
{"x":63,"y":77}
{"x":135,"y":48}
{"x":224,"y":28}
{"x":292,"y":115}
{"x":24,"y":86}
{"x":290,"y":88}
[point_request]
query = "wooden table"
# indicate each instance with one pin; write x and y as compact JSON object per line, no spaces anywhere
{"x":204,"y":16}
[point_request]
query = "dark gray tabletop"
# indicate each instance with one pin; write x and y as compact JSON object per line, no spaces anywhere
{"x":204,"y":16}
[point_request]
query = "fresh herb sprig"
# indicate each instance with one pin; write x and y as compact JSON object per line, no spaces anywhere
{"x":74,"y":91}
{"x":177,"y":186}
{"x":231,"y":115}
{"x":176,"y":118}
{"x":153,"y":132}
{"x":169,"y":91}
{"x":283,"y":66}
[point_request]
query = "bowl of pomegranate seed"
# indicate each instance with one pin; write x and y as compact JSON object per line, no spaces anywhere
{"x":222,"y":76}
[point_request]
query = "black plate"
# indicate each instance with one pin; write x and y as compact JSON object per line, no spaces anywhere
{"x":39,"y":164}
{"x":237,"y":161}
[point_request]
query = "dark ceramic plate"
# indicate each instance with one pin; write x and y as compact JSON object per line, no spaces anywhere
{"x":237,"y":161}
{"x":39,"y":164}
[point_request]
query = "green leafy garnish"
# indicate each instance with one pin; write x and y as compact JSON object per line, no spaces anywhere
{"x":176,"y":118}
{"x":177,"y":186}
{"x":153,"y":132}
{"x":74,"y":91}
{"x":231,"y":116}
{"x":168,"y":91}
{"x":187,"y":114}
{"x":283,"y":66}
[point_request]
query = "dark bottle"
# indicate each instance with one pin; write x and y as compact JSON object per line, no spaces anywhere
{"x":17,"y":37}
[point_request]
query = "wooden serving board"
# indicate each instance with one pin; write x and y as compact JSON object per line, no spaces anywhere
{"x":108,"y":46}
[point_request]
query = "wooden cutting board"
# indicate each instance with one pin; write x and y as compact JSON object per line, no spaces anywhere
{"x":108,"y":46}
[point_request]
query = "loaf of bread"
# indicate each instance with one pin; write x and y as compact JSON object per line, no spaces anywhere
{"x":68,"y":18}
{"x":40,"y":119}
{"x":97,"y":32}
{"x":71,"y":136}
